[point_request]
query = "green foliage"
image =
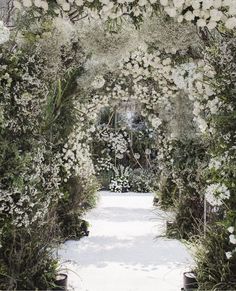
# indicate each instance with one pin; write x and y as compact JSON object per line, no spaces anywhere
{"x":189,"y":216}
{"x":167,"y":192}
{"x":60,"y":114}
{"x":181,"y":185}
{"x":104,"y":179}
{"x":214,"y":270}
{"x":26,"y":261}
{"x":72,"y":226}
{"x":142,"y":180}
{"x":80,"y":196}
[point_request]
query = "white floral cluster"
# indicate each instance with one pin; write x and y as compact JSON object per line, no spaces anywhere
{"x":117,"y":142}
{"x":217,"y":163}
{"x":120,"y":182}
{"x":194,"y":78}
{"x":142,"y":78}
{"x":77,"y":155}
{"x":103,"y":164}
{"x":104,"y":9}
{"x":98,"y":82}
{"x":206,"y":13}
{"x":27,"y":205}
{"x":215,"y":194}
{"x":4,"y":33}
{"x":21,"y":4}
{"x":232,"y":240}
{"x":151,"y":84}
{"x":89,"y":111}
{"x":165,"y":148}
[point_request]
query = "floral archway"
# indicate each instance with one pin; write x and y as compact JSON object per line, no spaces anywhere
{"x":55,"y":79}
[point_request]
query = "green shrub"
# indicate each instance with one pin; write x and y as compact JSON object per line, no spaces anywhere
{"x":80,"y":196}
{"x":26,"y":260}
{"x":73,"y":226}
{"x":167,"y":192}
{"x":214,"y":270}
{"x":189,"y":216}
{"x":142,"y":180}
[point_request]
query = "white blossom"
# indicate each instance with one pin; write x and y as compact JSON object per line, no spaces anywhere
{"x":4,"y":33}
{"x":230,"y":229}
{"x":232,"y":239}
{"x":216,"y":193}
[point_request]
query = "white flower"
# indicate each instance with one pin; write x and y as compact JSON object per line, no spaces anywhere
{"x":17,"y":4}
{"x":44,"y":5}
{"x":215,"y":163}
{"x":216,"y":193}
{"x":201,"y":22}
{"x":119,"y":156}
{"x":215,"y":15}
{"x":37,"y":3}
{"x":4,"y":33}
{"x":196,"y":5}
{"x":27,"y":3}
{"x":171,"y":11}
{"x":202,"y":124}
{"x":189,"y":16}
{"x":98,"y":82}
{"x":142,"y":2}
{"x":164,"y":2}
{"x":180,"y":18}
{"x":230,"y":23}
{"x":217,"y":4}
{"x":148,"y":151}
{"x":79,"y":2}
{"x":66,"y":6}
{"x":178,"y":3}
{"x":206,"y":4}
{"x":137,"y":156}
{"x":156,"y":122}
{"x":232,"y":239}
{"x":228,"y":255}
{"x":232,"y":10}
{"x":211,"y":25}
{"x":230,"y":229}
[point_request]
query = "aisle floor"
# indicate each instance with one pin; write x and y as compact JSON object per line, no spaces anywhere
{"x":123,"y":251}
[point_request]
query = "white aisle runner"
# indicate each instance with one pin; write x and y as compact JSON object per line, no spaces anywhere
{"x":122,"y":252}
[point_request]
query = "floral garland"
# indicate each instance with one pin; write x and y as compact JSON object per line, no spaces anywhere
{"x":206,"y":13}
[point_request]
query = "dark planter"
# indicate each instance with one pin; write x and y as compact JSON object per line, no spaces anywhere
{"x":171,"y":230}
{"x":61,"y":282}
{"x":155,"y":201}
{"x":190,"y":281}
{"x":125,"y":190}
{"x":169,"y":225}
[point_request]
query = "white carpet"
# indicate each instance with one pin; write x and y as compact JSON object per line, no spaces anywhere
{"x":122,"y":252}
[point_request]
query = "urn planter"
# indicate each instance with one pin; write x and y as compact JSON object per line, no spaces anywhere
{"x":190,"y":281}
{"x":61,"y":282}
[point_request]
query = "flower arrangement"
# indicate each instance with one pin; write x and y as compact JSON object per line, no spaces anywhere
{"x":207,"y":13}
{"x":120,"y":181}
